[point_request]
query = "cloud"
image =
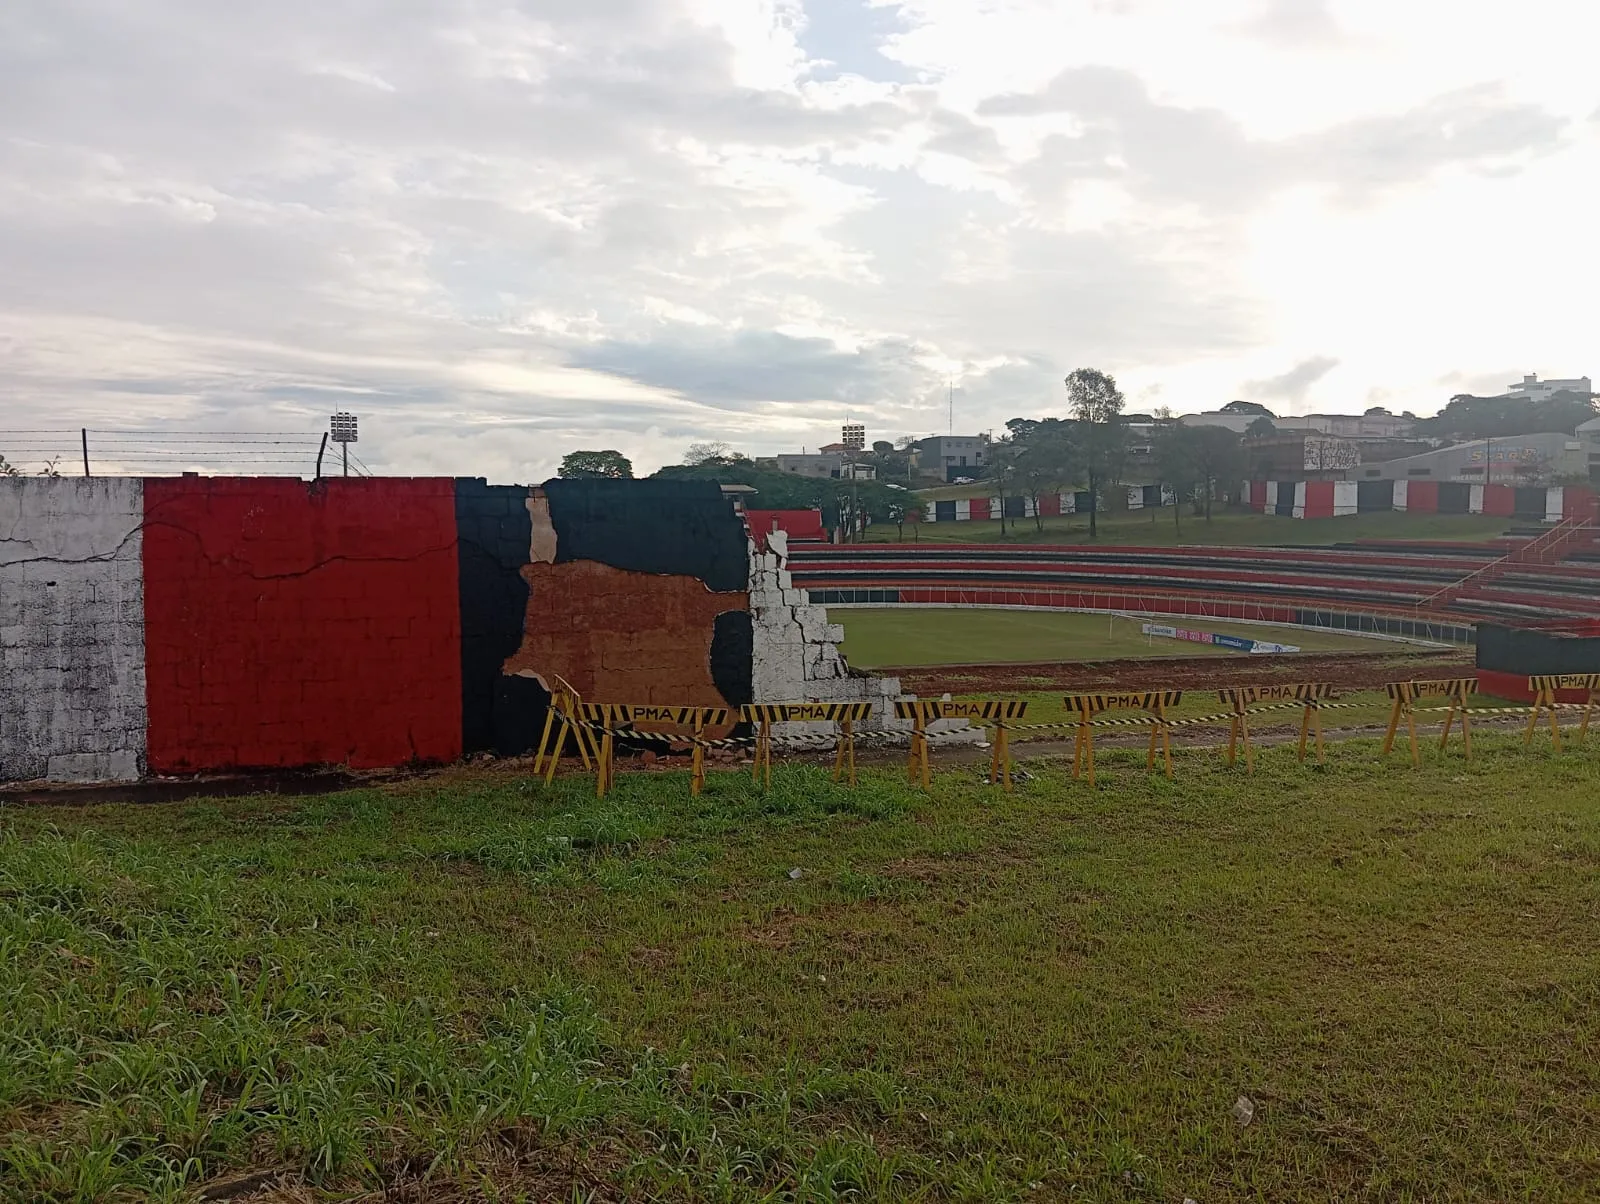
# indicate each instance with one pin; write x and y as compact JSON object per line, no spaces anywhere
{"x":499,"y":231}
{"x":1165,"y":153}
{"x":1292,"y":385}
{"x":1294,"y":23}
{"x":742,"y":369}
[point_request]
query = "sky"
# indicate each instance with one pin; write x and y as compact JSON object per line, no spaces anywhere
{"x":501,"y":230}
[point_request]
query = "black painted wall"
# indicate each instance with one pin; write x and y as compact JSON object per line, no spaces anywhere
{"x":1521,"y":650}
{"x":494,"y":532}
{"x":687,"y":528}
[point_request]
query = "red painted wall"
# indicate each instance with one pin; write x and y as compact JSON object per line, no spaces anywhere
{"x":1049,"y":505}
{"x":1422,"y":497}
{"x":1319,"y":499}
{"x":1500,"y":500}
{"x":1258,"y":495}
{"x":980,"y":509}
{"x":1577,"y":502}
{"x":287,"y":624}
{"x":796,"y":524}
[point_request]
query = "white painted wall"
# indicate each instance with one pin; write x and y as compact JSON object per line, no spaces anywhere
{"x":72,"y":685}
{"x":1344,"y":498}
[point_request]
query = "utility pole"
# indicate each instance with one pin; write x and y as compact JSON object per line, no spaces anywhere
{"x":952,"y":427}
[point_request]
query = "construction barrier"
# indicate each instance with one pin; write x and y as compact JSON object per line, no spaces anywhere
{"x":1404,"y":695}
{"x":846,"y":714}
{"x":995,"y":713}
{"x":1243,"y":699}
{"x":611,"y":719}
{"x":1153,"y":703}
{"x":595,"y":727}
{"x":1545,"y":688}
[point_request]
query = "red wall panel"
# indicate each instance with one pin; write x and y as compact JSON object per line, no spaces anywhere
{"x":1258,"y":495}
{"x":1500,"y":500}
{"x":1577,"y":502}
{"x":1049,"y":505}
{"x":1422,"y":497}
{"x":294,"y":624}
{"x":1319,"y":499}
{"x":980,"y":509}
{"x":796,"y":524}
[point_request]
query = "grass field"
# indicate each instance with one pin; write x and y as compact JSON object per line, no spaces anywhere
{"x":464,"y":987}
{"x":874,"y":637}
{"x":1147,"y":528}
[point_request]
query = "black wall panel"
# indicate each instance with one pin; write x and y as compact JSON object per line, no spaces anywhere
{"x":685,"y":528}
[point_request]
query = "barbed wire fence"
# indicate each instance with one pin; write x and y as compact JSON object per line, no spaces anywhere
{"x":88,"y":451}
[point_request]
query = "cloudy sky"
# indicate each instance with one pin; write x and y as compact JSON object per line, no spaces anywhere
{"x":499,"y":230}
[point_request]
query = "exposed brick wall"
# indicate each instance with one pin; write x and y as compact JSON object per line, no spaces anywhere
{"x":623,"y":636}
{"x":72,"y":697}
{"x":297,"y":624}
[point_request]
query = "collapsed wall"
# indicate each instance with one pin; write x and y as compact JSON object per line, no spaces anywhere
{"x":193,"y":625}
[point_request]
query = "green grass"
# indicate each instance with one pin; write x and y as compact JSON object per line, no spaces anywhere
{"x":1149,"y":528}
{"x":875,"y":637}
{"x":1057,"y":994}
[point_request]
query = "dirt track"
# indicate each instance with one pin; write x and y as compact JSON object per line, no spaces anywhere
{"x":1349,"y":670}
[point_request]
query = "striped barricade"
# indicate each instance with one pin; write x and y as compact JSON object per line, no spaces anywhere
{"x":1545,"y":688}
{"x":846,"y":714}
{"x":1241,"y":699}
{"x":1404,"y":695}
{"x":1154,"y":703}
{"x":611,"y":718}
{"x":992,"y":712}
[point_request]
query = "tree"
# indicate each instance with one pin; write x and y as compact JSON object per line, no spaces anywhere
{"x":1004,"y":458}
{"x":8,"y":469}
{"x":590,"y":464}
{"x":1248,"y":407}
{"x":1218,"y":456}
{"x":882,"y":447}
{"x":1468,"y":417}
{"x":1260,"y":428}
{"x":707,"y":453}
{"x":1046,"y":459}
{"x":1096,"y":404}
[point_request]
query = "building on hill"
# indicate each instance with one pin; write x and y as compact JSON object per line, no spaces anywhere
{"x":1376,"y":423}
{"x":1512,"y":460}
{"x":950,"y":456}
{"x":1301,"y":456}
{"x":821,"y":464}
{"x":1534,"y":389}
{"x":853,"y":436}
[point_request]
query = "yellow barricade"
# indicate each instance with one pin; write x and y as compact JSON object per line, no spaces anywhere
{"x":993,"y":712}
{"x":1404,"y":695}
{"x":1153,"y":702}
{"x":845,"y":714}
{"x":561,"y":720}
{"x":613,"y":717}
{"x":1544,"y":690}
{"x":1242,"y":698}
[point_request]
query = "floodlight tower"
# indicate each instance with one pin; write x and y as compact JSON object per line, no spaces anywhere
{"x":342,"y":429}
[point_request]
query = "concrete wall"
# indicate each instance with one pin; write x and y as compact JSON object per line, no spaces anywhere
{"x":72,"y":670}
{"x":196,"y":625}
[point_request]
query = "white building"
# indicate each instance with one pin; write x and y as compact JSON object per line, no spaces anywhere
{"x":1534,"y":389}
{"x":1375,"y":424}
{"x":822,"y":464}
